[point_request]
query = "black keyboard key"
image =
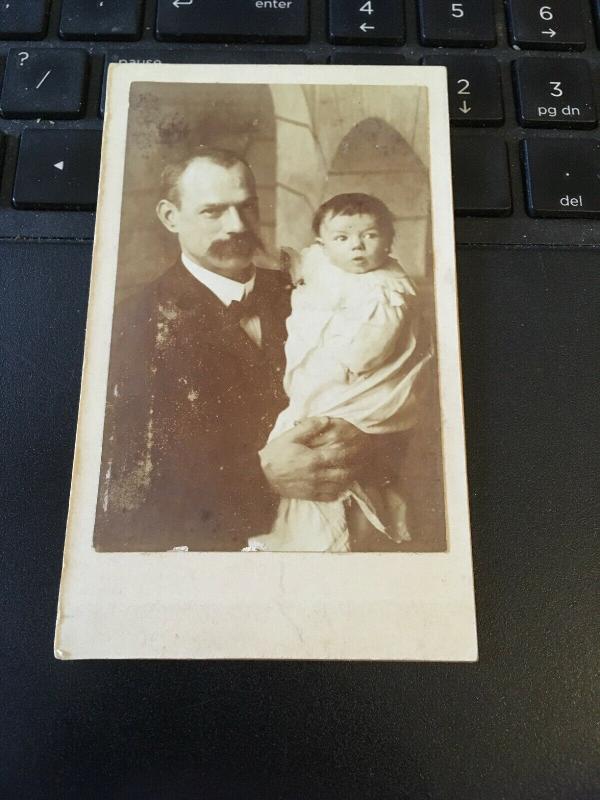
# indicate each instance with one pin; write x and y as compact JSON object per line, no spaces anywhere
{"x":48,"y":83}
{"x":181,"y":56}
{"x":463,"y":24}
{"x":371,"y":22}
{"x":550,"y":25}
{"x":555,"y":93}
{"x":480,"y":176}
{"x":596,"y":10}
{"x":474,"y":89}
{"x":232,"y":20}
{"x":23,"y":19}
{"x":562,"y":177}
{"x":366,"y":57}
{"x":101,"y":19}
{"x":57,"y":169}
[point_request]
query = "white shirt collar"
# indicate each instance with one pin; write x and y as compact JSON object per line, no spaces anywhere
{"x":226,"y":289}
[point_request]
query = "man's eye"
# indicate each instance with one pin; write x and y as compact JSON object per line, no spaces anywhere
{"x":211,"y":213}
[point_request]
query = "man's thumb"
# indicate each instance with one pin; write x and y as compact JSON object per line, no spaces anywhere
{"x":307,"y":429}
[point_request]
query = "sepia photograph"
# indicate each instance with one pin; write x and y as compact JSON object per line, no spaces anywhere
{"x":273,"y":377}
{"x":270,"y":457}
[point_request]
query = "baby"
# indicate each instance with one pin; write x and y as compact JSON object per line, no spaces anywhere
{"x":353,"y":352}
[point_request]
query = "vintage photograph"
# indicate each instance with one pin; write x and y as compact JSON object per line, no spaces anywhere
{"x":273,"y":373}
{"x":270,"y":457}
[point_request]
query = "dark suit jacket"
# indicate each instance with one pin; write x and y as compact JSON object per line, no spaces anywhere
{"x":190,"y":402}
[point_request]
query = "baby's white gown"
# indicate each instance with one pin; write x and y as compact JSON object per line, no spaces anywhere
{"x":352,"y":353}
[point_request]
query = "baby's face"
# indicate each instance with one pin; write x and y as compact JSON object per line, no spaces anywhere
{"x":353,"y":243}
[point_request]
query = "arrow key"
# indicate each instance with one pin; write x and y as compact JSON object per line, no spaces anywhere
{"x":371,"y":22}
{"x":555,"y":25}
{"x":474,"y":89}
{"x":57,"y":169}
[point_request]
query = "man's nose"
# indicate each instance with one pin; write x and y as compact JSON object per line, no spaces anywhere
{"x":234,"y":222}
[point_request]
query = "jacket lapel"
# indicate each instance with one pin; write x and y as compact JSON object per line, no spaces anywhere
{"x":207,"y":316}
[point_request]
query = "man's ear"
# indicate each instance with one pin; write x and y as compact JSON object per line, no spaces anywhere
{"x":167,"y":213}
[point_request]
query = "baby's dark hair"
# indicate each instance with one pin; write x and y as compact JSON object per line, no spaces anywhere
{"x":356,"y":203}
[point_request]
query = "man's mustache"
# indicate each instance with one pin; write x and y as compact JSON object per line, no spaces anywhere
{"x":237,"y":245}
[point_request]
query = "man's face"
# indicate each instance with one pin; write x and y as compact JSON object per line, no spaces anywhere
{"x":216,"y":219}
{"x":354,"y":243}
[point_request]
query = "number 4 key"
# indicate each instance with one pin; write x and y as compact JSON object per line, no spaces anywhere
{"x":366,"y":22}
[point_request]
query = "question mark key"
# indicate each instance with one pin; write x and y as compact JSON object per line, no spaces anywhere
{"x":45,"y":83}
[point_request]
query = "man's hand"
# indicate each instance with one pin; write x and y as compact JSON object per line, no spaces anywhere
{"x":316,"y":460}
{"x":342,"y":435}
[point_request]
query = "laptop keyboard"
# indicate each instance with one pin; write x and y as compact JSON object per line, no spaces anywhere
{"x":522,"y":76}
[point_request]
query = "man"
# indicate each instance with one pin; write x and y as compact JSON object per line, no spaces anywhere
{"x":195,"y":384}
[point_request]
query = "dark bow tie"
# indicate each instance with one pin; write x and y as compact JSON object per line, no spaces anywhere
{"x":242,"y":309}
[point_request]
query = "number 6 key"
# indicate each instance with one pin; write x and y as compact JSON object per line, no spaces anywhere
{"x":549,"y":25}
{"x":366,"y":22}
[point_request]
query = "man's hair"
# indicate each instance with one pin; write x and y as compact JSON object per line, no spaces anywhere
{"x":356,"y":203}
{"x":169,"y":179}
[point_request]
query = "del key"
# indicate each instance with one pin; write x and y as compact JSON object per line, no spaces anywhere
{"x":232,"y":20}
{"x":562,"y":177}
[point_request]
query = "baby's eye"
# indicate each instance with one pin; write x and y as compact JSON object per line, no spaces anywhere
{"x":340,"y":238}
{"x":372,"y":235}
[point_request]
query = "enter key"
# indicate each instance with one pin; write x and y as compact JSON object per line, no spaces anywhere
{"x":562,"y":177}
{"x":232,"y":20}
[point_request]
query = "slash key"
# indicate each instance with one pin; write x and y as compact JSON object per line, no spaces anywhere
{"x":44,"y":83}
{"x":562,"y":177}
